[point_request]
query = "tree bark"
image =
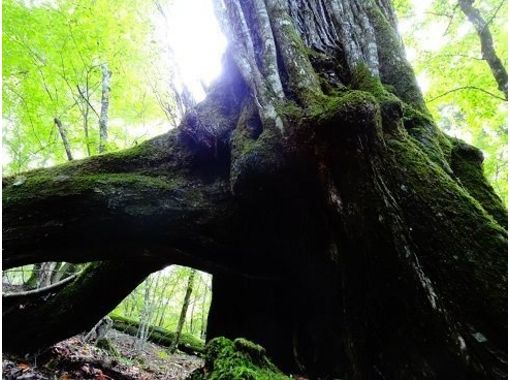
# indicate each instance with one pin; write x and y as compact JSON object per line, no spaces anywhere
{"x":65,"y":270}
{"x":357,"y":239}
{"x":165,"y":306}
{"x":32,"y":280}
{"x":203,"y":324}
{"x":85,"y":115}
{"x":106,"y":76}
{"x":145,"y":317}
{"x":46,"y":273}
{"x":184,"y":310}
{"x":65,"y":140}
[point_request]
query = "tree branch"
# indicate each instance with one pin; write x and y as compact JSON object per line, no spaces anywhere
{"x":450,"y":21}
{"x":466,"y":88}
{"x":163,"y":210}
{"x":487,"y":46}
{"x":41,"y":291}
{"x":65,"y":140}
{"x":86,"y":99}
{"x":494,"y":14}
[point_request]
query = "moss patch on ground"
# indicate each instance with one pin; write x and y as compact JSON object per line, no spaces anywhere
{"x":239,"y":359}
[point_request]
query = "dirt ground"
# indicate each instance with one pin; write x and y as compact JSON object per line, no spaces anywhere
{"x":74,"y":359}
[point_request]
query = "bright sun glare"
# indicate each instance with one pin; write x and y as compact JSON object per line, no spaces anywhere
{"x":197,"y":43}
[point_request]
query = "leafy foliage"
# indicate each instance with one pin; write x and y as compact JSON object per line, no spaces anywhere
{"x":52,"y":52}
{"x":166,"y":296}
{"x":458,"y":85}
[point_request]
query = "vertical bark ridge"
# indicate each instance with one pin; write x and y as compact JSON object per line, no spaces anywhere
{"x":302,"y":79}
{"x":267,"y":54}
{"x":245,"y":57}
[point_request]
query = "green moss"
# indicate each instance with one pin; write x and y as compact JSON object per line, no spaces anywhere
{"x":364,"y":80}
{"x":345,"y":102}
{"x":394,"y":68}
{"x":353,"y":112}
{"x":392,"y":108}
{"x":106,"y":345}
{"x":254,"y":163}
{"x":187,"y":343}
{"x":289,"y":111}
{"x":302,"y":78}
{"x":414,"y":118}
{"x":144,"y":159}
{"x":237,"y":360}
{"x":452,"y":227}
{"x":434,"y":142}
{"x":466,"y":163}
{"x":54,"y":182}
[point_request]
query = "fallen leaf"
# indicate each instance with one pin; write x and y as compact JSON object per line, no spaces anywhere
{"x":23,"y":366}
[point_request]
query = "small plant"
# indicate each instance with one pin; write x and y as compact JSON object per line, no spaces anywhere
{"x":162,"y":354}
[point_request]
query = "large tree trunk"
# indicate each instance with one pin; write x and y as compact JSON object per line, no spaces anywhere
{"x":184,"y":310}
{"x":354,"y":238}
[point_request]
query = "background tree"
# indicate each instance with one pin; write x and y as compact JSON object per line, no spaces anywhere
{"x":184,"y":309}
{"x":87,"y":68}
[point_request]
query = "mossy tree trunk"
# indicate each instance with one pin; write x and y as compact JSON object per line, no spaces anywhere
{"x":313,"y":183}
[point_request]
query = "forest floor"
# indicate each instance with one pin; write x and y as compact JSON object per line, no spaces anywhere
{"x":75,"y":359}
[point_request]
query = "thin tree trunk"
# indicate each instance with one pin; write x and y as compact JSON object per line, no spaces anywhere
{"x":184,"y":310}
{"x":168,"y":298}
{"x":144,"y":316}
{"x":161,"y":303}
{"x":203,"y":326}
{"x":487,"y":45}
{"x":65,"y":140}
{"x":33,"y":279}
{"x":46,"y":273}
{"x":66,"y":269}
{"x":192,"y":312}
{"x":132,"y":308}
{"x":106,"y":75}
{"x":85,"y":115}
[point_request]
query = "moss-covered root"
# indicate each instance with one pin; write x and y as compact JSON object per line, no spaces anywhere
{"x":187,"y":342}
{"x":36,"y":324}
{"x":466,"y":163}
{"x":237,"y":360}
